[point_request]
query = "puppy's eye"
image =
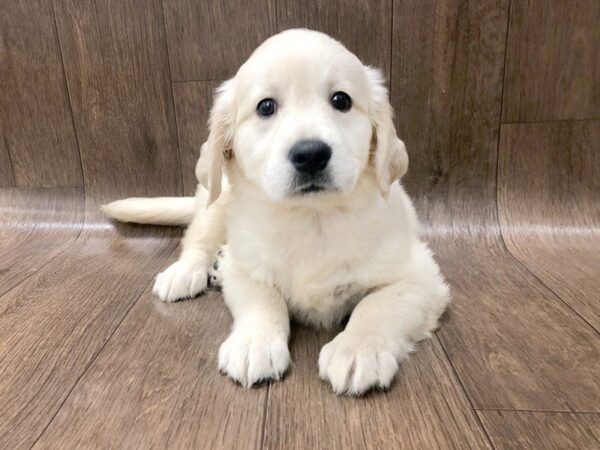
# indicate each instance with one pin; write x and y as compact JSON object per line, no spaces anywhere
{"x":266,"y":107}
{"x":341,"y":101}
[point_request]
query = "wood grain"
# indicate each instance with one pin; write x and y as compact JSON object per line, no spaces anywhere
{"x":549,"y":205}
{"x":513,"y":342}
{"x":446,"y":92}
{"x":425,"y":407}
{"x":547,"y":430}
{"x":36,"y":225}
{"x":209,"y":40}
{"x":156,"y":385}
{"x":121,"y":96}
{"x":553,"y":61}
{"x":193,"y":100}
{"x":37,"y":126}
{"x":6,"y":172}
{"x":53,"y":325}
{"x":363,"y":27}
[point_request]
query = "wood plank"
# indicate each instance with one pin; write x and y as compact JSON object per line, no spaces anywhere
{"x":363,"y":27}
{"x":7,"y":178}
{"x":209,"y":40}
{"x":513,"y":342}
{"x":446,"y":92}
{"x":549,"y":177}
{"x":193,"y":100}
{"x":547,"y":430}
{"x":37,"y":125}
{"x":425,"y":407}
{"x":553,"y":61}
{"x":36,"y":225}
{"x":55,"y":324}
{"x":156,"y":385}
{"x":121,"y":96}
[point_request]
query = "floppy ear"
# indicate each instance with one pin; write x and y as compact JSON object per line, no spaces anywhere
{"x":209,"y":169}
{"x":388,"y":152}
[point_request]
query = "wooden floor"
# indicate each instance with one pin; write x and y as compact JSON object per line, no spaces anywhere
{"x":499,"y":104}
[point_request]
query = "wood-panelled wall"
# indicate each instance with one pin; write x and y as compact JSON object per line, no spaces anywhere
{"x":82,"y":79}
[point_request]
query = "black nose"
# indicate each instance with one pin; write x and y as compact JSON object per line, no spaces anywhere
{"x":310,"y":156}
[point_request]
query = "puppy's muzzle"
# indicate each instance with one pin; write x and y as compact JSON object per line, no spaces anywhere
{"x":310,"y":157}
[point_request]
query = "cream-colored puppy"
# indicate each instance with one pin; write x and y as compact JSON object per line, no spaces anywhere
{"x":299,"y":177}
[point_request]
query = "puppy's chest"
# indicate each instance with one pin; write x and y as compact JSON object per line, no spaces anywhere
{"x":316,"y":269}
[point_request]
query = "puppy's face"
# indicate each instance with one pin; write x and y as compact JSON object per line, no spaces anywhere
{"x":302,"y":123}
{"x":302,"y":115}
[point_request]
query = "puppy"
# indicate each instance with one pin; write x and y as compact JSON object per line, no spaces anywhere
{"x":300,"y":178}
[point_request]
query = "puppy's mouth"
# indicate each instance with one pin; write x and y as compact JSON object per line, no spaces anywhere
{"x":305,"y":185}
{"x":311,"y":188}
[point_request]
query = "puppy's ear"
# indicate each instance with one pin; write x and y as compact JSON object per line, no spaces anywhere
{"x":388,"y":151}
{"x":209,"y":169}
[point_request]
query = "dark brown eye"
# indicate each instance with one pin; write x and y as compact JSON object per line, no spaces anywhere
{"x":341,"y":101}
{"x":266,"y":107}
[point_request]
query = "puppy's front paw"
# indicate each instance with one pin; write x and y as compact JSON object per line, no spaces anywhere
{"x":354,"y":364}
{"x":183,"y":279}
{"x":252,"y":356}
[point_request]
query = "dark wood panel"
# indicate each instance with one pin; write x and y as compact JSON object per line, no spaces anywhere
{"x":553,"y":61}
{"x":193,"y":100}
{"x":6,"y":172}
{"x":156,"y":385}
{"x":446,"y":92}
{"x":524,"y":430}
{"x":363,"y":27}
{"x":121,"y":96}
{"x":425,"y":407}
{"x":209,"y":40}
{"x":549,"y":206}
{"x":514,"y":344}
{"x":37,"y":126}
{"x":36,"y":225}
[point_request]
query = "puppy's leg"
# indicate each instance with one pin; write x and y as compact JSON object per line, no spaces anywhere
{"x":381,"y":332}
{"x":189,"y":275}
{"x":257,"y":347}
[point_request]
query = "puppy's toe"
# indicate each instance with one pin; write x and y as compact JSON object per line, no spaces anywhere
{"x":182,"y":279}
{"x":250,"y":357}
{"x":355,"y":364}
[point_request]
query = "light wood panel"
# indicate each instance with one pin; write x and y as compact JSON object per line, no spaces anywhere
{"x":549,"y":203}
{"x":193,"y":100}
{"x":156,"y":385}
{"x":36,"y":225}
{"x":552,"y":431}
{"x":37,"y":127}
{"x":425,"y":407}
{"x":209,"y":40}
{"x":363,"y":27}
{"x":53,"y":325}
{"x":553,"y":61}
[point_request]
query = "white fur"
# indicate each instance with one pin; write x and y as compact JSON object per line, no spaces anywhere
{"x":319,"y":257}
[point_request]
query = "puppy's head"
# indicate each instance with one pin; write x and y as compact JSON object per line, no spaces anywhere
{"x":303,"y":117}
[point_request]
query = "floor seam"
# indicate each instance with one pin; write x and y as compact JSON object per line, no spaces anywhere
{"x":466,"y":394}
{"x":263,"y":434}
{"x":543,"y":411}
{"x":95,"y":357}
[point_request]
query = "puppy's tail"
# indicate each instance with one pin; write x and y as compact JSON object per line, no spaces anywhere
{"x":157,"y":211}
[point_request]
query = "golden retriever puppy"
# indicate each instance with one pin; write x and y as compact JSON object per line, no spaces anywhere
{"x":299,"y":178}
